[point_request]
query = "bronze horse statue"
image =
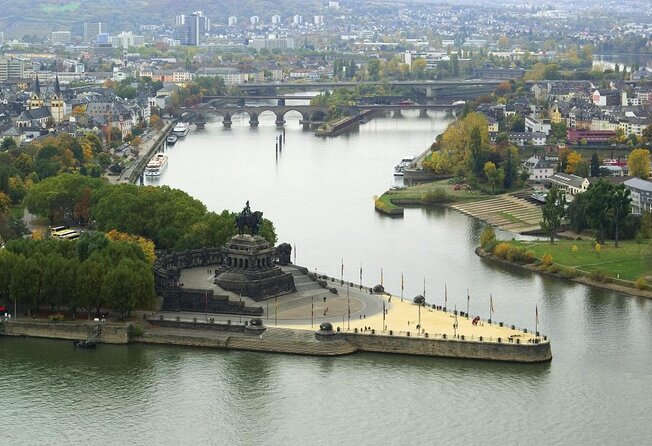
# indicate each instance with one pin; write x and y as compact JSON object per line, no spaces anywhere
{"x":252,"y":221}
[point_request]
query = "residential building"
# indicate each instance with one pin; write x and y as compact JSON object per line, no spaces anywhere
{"x":568,"y":183}
{"x":540,"y":169}
{"x":233,"y":21}
{"x":591,"y":136}
{"x":641,"y":195}
{"x":535,"y":125}
{"x":92,"y":30}
{"x":527,"y":138}
{"x":192,"y":28}
{"x":60,"y":37}
{"x":272,"y":43}
{"x":606,"y":98}
{"x":276,"y":19}
{"x":254,"y":20}
{"x":126,"y":39}
{"x":11,"y":68}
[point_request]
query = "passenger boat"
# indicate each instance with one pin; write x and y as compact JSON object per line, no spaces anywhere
{"x":400,"y":167}
{"x":156,"y":165}
{"x":172,"y":138}
{"x":181,"y":129}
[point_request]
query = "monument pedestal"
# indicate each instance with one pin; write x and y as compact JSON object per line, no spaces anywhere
{"x":248,"y":269}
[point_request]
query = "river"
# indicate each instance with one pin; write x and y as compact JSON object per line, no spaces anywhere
{"x":319,"y":194}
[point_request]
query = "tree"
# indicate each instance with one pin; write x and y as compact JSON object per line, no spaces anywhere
{"x":576,"y":212}
{"x":8,"y":143}
{"x":553,"y":212}
{"x":595,"y":166}
{"x":620,"y":207}
{"x":574,"y":158}
{"x":599,"y":202}
{"x":494,"y":176}
{"x":510,"y":166}
{"x":639,"y":163}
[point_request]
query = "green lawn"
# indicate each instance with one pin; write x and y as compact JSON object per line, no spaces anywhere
{"x":629,"y":261}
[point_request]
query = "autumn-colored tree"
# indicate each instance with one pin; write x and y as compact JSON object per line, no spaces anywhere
{"x":639,"y":163}
{"x":145,"y":244}
{"x":494,"y":176}
{"x":572,"y":162}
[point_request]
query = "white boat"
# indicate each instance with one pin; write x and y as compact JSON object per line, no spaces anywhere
{"x":156,"y":165}
{"x":400,"y":167}
{"x":181,"y":129}
{"x":172,"y":138}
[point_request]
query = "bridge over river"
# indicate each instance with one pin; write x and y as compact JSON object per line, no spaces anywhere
{"x":310,"y":114}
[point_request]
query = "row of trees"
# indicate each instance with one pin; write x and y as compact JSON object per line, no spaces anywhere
{"x":604,"y":207}
{"x":90,"y":274}
{"x":638,"y":163}
{"x":171,"y":218}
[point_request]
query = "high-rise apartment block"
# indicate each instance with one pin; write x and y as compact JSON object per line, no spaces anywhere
{"x":192,"y":28}
{"x":60,"y":37}
{"x":92,"y":30}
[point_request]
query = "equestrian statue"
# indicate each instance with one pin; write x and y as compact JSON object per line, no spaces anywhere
{"x":249,"y":222}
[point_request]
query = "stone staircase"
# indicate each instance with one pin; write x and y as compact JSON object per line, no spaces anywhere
{"x":506,"y":212}
{"x":288,"y":341}
{"x":303,"y":282}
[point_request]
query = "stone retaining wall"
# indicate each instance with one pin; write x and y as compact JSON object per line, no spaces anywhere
{"x":109,"y":333}
{"x":451,"y":348}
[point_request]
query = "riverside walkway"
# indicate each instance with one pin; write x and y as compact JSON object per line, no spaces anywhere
{"x":307,"y":309}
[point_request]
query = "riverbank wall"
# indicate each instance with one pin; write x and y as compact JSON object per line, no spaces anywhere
{"x":495,"y":350}
{"x":106,"y":333}
{"x":241,"y":336}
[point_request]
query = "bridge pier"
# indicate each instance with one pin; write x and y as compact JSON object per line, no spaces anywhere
{"x":397,"y":114}
{"x":423,"y":113}
{"x":227,"y":121}
{"x":280,"y":122}
{"x":449,"y":113}
{"x":253,"y":120}
{"x":281,"y":102}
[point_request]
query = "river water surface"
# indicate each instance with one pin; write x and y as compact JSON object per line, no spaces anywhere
{"x":319,"y":194}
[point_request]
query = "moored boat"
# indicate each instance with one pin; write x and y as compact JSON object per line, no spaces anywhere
{"x":156,"y":165}
{"x":181,"y":129}
{"x":172,"y":138}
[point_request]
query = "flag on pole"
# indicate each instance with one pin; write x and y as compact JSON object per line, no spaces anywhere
{"x":342,"y":270}
{"x":381,"y":277}
{"x":295,"y":253}
{"x":360,"y":274}
{"x":445,"y":295}
{"x":536,"y":314}
{"x":491,"y":305}
{"x":402,"y":283}
{"x":424,"y":287}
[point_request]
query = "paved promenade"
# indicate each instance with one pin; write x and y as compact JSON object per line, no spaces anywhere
{"x":306,"y":309}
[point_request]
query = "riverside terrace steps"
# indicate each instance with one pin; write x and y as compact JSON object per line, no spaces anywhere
{"x":507,"y":212}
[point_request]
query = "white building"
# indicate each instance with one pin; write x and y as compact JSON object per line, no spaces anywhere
{"x":254,"y":19}
{"x":297,"y":20}
{"x":534,"y":125}
{"x":126,"y":39}
{"x":60,"y":37}
{"x":540,"y":169}
{"x":641,"y":195}
{"x":276,"y":19}
{"x":569,"y":183}
{"x":233,"y":21}
{"x":318,"y":20}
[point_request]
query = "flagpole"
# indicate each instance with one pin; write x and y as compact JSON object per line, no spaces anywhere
{"x":342,"y":273}
{"x":348,"y":304}
{"x":455,"y":324}
{"x":383,"y":315}
{"x":381,"y":277}
{"x":491,"y":307}
{"x":445,"y":296}
{"x":312,"y":311}
{"x":401,"y":287}
{"x":536,"y":320}
{"x":275,"y":311}
{"x":468,"y":299}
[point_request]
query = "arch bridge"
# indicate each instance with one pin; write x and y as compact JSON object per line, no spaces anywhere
{"x":309,"y":114}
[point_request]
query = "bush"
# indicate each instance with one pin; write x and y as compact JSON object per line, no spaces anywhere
{"x":546,"y":260}
{"x":641,"y":283}
{"x":567,"y":272}
{"x":554,"y":269}
{"x":57,"y":317}
{"x":437,"y":195}
{"x":490,"y":246}
{"x":135,"y":331}
{"x":599,"y":276}
{"x":488,"y":235}
{"x":529,"y":257}
{"x":502,"y":249}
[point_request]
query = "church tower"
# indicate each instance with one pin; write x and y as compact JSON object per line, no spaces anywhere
{"x":36,"y":100}
{"x":57,"y":105}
